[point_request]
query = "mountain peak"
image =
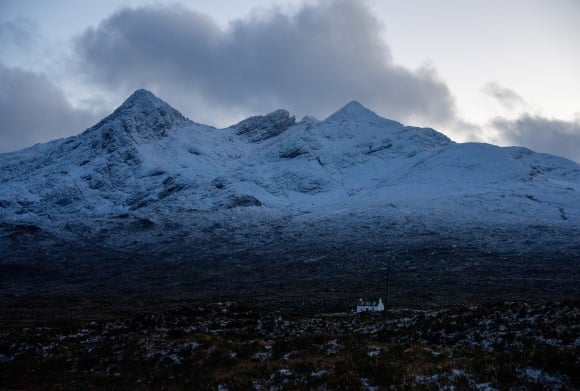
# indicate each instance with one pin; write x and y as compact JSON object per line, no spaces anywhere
{"x":140,"y":100}
{"x":354,"y":111}
{"x":354,"y":107}
{"x":142,"y":94}
{"x":144,"y":114}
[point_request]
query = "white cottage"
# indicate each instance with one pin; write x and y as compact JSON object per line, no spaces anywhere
{"x":370,"y":305}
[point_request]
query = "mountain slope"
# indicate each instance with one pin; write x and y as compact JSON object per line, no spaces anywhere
{"x":146,"y":172}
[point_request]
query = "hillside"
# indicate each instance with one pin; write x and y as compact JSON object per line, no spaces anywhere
{"x":274,"y":201}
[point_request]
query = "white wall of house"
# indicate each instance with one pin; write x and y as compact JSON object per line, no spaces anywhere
{"x":367,"y":305}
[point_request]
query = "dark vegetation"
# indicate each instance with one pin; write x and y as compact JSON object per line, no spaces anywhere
{"x":74,"y":314}
{"x":304,"y":279}
{"x":232,"y":346}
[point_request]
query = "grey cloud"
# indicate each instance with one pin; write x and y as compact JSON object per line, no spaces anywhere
{"x":310,"y":62}
{"x":506,"y":97}
{"x":33,"y":110}
{"x":542,"y":134}
{"x":19,"y":32}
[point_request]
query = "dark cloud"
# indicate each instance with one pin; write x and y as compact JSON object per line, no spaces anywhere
{"x":542,"y":134}
{"x":538,"y":133}
{"x":312,"y":61}
{"x":21,"y":43}
{"x":33,"y":110}
{"x":506,"y":97}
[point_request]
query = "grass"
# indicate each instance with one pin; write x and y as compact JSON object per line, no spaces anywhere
{"x":499,"y":346}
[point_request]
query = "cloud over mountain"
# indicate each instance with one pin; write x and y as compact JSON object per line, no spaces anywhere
{"x":311,"y":61}
{"x":505,"y":96}
{"x":533,"y":131}
{"x":34,"y":110}
{"x":542,"y":134}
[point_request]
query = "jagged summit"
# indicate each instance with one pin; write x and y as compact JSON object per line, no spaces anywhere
{"x":145,"y":115}
{"x":142,"y":95}
{"x":354,"y":106}
{"x":262,"y":127}
{"x":355,"y":111}
{"x":143,"y":103}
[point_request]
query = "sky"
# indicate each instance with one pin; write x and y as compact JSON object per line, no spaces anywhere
{"x":499,"y":71}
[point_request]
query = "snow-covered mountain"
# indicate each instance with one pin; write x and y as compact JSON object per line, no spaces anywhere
{"x":146,"y":175}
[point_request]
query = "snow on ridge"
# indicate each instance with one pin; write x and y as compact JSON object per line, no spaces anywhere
{"x":143,"y":115}
{"x":354,"y":111}
{"x":147,"y":157}
{"x":262,"y":127}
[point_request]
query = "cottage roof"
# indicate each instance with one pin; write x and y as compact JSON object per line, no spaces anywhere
{"x":368,"y":303}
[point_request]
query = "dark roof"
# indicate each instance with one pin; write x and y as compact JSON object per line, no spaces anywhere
{"x":368,"y":303}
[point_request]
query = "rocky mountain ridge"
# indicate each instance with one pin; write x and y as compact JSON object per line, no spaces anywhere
{"x":146,"y":172}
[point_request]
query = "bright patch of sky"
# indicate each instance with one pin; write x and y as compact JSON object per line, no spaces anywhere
{"x":528,"y":46}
